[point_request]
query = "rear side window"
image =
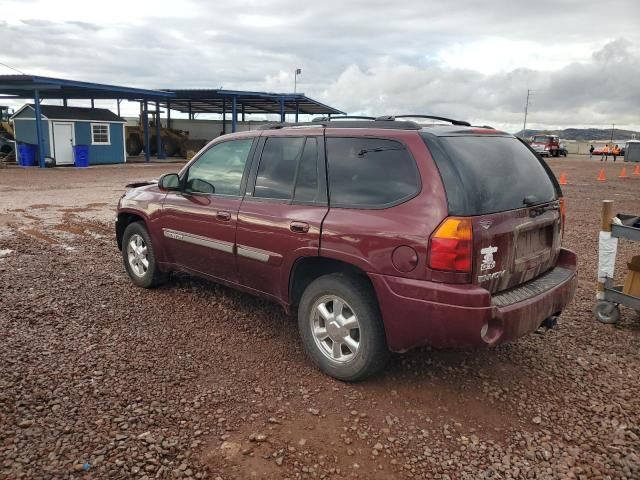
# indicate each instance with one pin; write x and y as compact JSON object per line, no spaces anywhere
{"x":278,"y":164}
{"x":292,"y":168}
{"x":487,"y":174}
{"x":370,"y":172}
{"x":307,"y":180}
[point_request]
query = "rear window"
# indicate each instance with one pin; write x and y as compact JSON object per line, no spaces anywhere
{"x":487,"y":174}
{"x":370,"y":172}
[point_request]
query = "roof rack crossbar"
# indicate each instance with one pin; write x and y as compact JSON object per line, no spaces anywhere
{"x":434,"y":117}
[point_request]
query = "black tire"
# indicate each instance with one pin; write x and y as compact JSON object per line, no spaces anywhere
{"x":152,"y":276}
{"x":169,"y":146}
{"x":153,"y":145}
{"x":371,"y":354}
{"x":134,"y":145}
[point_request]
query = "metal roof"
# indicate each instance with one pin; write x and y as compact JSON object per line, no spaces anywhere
{"x":56,"y":112}
{"x":23,"y":86}
{"x":215,"y":101}
{"x":201,"y":100}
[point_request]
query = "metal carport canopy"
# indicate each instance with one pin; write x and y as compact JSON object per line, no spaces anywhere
{"x":39,"y":88}
{"x":222,"y":101}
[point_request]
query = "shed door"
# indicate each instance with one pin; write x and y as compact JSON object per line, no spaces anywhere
{"x":63,"y":143}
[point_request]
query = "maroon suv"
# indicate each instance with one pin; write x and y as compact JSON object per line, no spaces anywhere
{"x":383,"y":234}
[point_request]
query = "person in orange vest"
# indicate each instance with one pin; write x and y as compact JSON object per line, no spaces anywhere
{"x":605,"y":153}
{"x":616,"y":152}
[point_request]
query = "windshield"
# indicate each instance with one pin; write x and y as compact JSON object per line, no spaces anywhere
{"x":541,"y":139}
{"x":488,"y":174}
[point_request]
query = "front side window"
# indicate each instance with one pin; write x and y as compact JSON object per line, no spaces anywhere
{"x":278,"y":165}
{"x":100,"y":134}
{"x":370,"y":172}
{"x":220,"y":169}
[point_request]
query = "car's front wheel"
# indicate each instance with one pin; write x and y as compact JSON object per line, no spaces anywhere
{"x":139,"y":257}
{"x":341,"y":327}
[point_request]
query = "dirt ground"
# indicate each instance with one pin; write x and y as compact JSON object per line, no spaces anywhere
{"x":100,"y":379}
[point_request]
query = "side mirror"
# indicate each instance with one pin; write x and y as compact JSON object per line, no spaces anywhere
{"x":198,"y":185}
{"x":169,"y":182}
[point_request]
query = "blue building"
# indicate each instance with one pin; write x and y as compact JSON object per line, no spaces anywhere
{"x":101,"y":130}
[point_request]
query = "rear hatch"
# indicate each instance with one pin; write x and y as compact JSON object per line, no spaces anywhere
{"x":512,"y":200}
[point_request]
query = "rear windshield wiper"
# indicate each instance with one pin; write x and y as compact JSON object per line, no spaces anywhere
{"x":364,"y":151}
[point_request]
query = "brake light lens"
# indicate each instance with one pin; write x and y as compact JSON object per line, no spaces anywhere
{"x":451,"y":246}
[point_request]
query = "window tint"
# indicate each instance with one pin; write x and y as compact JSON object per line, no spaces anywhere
{"x":221,"y":166}
{"x":307,"y":186}
{"x":370,"y":172}
{"x":278,"y":165}
{"x":487,"y":174}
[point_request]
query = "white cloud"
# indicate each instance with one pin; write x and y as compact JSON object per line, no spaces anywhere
{"x":473,"y":59}
{"x":494,"y":55}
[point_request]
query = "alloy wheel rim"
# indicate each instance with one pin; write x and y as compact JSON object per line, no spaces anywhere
{"x":138,"y":255}
{"x":335,"y":328}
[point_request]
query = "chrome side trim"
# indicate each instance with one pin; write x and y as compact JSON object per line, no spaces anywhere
{"x":253,"y":254}
{"x":198,"y":240}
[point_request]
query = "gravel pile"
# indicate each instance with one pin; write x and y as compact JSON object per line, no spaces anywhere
{"x":99,"y":379}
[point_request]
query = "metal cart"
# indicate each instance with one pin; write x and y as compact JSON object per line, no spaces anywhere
{"x":607,"y":310}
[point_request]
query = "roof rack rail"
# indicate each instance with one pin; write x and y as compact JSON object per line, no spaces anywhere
{"x":342,"y":117}
{"x":434,"y":117}
{"x":388,"y":124}
{"x":278,"y":125}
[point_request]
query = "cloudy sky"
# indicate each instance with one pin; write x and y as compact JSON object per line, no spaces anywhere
{"x":466,"y":59}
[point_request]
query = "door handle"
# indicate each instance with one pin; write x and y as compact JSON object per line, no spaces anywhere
{"x":222,"y":215}
{"x":299,"y":227}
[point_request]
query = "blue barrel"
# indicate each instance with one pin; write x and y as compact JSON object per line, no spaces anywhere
{"x":81,"y":156}
{"x":27,"y":155}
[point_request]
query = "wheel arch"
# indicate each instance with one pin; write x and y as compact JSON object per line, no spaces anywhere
{"x":307,"y":269}
{"x":124,"y":219}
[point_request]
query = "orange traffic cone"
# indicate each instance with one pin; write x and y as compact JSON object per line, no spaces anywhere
{"x":636,"y":171}
{"x":601,"y":176}
{"x":623,"y":173}
{"x":563,"y":179}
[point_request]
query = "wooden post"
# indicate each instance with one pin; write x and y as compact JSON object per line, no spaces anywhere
{"x":606,"y":215}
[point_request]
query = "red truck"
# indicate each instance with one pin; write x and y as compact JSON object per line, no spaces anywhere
{"x":546,"y":145}
{"x":382,"y":235}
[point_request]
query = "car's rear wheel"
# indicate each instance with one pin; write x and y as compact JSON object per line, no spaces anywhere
{"x":341,"y":327}
{"x":139,"y":257}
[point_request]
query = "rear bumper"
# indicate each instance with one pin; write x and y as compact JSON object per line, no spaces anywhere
{"x":417,"y":312}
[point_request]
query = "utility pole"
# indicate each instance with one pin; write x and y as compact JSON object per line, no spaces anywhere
{"x":612,"y":129}
{"x":526,"y":111}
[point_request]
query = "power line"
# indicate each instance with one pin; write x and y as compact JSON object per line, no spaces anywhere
{"x":12,"y":68}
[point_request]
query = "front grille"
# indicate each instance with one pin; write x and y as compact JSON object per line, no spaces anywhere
{"x":530,"y":289}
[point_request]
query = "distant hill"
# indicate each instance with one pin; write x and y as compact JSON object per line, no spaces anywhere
{"x":585,"y":134}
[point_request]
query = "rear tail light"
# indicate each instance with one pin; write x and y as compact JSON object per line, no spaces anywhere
{"x":451,"y":246}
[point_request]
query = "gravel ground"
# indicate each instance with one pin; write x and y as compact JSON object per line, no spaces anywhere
{"x":99,"y":379}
